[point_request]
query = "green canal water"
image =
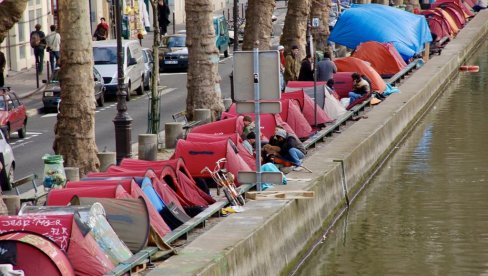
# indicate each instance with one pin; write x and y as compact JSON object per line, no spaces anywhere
{"x":426,"y":212}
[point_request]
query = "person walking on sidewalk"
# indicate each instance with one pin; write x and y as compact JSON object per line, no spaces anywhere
{"x":38,"y":43}
{"x":3,"y":62}
{"x":306,"y":69}
{"x":101,"y":32}
{"x":163,"y":17}
{"x":292,"y":64}
{"x":53,"y":41}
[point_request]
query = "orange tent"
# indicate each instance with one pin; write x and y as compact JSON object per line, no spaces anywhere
{"x":449,"y":20}
{"x":352,"y":64}
{"x":383,"y":57}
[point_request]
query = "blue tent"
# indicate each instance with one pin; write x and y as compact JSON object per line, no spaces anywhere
{"x":373,"y":22}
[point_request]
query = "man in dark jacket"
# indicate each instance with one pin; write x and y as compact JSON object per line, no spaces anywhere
{"x":163,"y":17}
{"x":38,"y":43}
{"x":326,"y":68}
{"x":291,"y":149}
{"x":306,"y":69}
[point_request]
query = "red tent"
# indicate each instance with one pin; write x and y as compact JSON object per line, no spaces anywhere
{"x":225,"y":126}
{"x":268,"y":122}
{"x":317,"y":95}
{"x":466,"y":9}
{"x":108,"y":189}
{"x":186,"y":186}
{"x":352,"y":64}
{"x":343,"y":84}
{"x":34,"y":254}
{"x":293,"y":116}
{"x":455,"y":12}
{"x":307,"y":107}
{"x":57,"y":228}
{"x":438,"y":24}
{"x":198,"y":155}
{"x":383,"y":57}
{"x":236,"y":139}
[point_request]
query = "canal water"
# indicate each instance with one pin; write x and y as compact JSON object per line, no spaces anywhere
{"x":426,"y":212}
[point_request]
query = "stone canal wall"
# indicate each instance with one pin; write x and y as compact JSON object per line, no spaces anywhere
{"x":270,"y":235}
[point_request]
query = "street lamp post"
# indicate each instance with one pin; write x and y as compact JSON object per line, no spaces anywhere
{"x":235,"y":14}
{"x":122,"y":120}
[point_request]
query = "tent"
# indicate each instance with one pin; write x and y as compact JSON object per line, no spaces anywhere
{"x":352,"y":64}
{"x":236,"y":139}
{"x":198,"y":155}
{"x":455,"y":11}
{"x":292,"y":115}
{"x":111,"y":189}
{"x":307,"y":106}
{"x":343,"y":84}
{"x":308,"y":88}
{"x":438,"y":24}
{"x":128,"y":217}
{"x":34,"y":254}
{"x":465,"y":9}
{"x":224,"y":126}
{"x":268,"y":121}
{"x":374,"y":22}
{"x":448,"y":18}
{"x":383,"y":57}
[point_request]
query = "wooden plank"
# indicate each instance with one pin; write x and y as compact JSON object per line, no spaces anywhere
{"x":280,"y":195}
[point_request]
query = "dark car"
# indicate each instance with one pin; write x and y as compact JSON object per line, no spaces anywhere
{"x":13,"y":114}
{"x":52,"y":92}
{"x":173,"y":53}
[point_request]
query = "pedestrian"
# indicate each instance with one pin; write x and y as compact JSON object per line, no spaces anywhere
{"x":360,"y":88}
{"x":306,"y":69}
{"x":248,"y":126}
{"x":326,"y":68}
{"x":163,"y":17}
{"x":281,"y":50}
{"x":3,"y":62}
{"x":53,"y":41}
{"x":38,"y":43}
{"x":290,"y":148}
{"x":292,"y":64}
{"x":101,"y":31}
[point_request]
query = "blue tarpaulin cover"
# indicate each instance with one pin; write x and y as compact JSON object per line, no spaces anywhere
{"x":373,"y":22}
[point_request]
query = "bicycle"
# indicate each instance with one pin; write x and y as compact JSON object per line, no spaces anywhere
{"x":225,"y":179}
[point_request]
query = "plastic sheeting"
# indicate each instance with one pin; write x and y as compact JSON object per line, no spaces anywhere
{"x":366,"y":22}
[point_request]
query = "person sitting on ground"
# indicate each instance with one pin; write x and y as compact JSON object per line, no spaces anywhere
{"x":360,"y":88}
{"x":248,"y":126}
{"x":249,"y":142}
{"x":326,"y":68}
{"x":286,"y":147}
{"x":306,"y":69}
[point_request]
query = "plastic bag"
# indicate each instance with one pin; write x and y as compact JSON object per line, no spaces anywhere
{"x":54,"y":175}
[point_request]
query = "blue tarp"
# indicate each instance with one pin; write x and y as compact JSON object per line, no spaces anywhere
{"x":373,"y":22}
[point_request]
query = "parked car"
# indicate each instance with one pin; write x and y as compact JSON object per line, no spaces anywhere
{"x":173,"y":53}
{"x":105,"y":59}
{"x":148,"y":63}
{"x":8,"y":162}
{"x":51,"y":95}
{"x":13,"y":114}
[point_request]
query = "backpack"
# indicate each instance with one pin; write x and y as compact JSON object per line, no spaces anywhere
{"x":35,"y":40}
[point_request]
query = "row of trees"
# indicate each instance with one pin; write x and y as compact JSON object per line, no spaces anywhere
{"x":75,"y":128}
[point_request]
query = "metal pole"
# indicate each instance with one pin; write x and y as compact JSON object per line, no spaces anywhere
{"x":235,"y":14}
{"x":122,"y":120}
{"x":314,"y":53}
{"x":257,"y":112}
{"x":37,"y":71}
{"x":174,"y":23}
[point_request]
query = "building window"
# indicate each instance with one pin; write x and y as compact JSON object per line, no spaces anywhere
{"x":39,"y":16}
{"x":22,"y":51}
{"x":32,"y":22}
{"x":38,"y":2}
{"x":31,"y":2}
{"x":21,"y":30}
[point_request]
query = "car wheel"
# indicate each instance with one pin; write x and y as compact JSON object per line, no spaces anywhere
{"x":140,"y":89}
{"x":101,"y":99}
{"x":226,"y":53}
{"x":10,"y":176}
{"x":7,"y":133}
{"x":148,"y":86}
{"x":23,"y":130}
{"x":129,"y":89}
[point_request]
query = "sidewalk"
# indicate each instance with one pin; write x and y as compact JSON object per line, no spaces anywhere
{"x":23,"y":83}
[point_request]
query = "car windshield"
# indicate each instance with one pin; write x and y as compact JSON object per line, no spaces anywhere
{"x":105,"y":55}
{"x":175,"y":41}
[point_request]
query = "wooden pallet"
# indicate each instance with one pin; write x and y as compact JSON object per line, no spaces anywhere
{"x":280,"y":195}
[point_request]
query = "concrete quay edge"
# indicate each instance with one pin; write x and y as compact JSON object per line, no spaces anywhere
{"x":268,"y":237}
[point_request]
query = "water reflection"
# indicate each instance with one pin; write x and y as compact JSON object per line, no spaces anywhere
{"x":426,"y":212}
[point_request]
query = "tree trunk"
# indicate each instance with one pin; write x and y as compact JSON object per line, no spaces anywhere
{"x":10,"y":12}
{"x":259,"y":26}
{"x":295,"y":29}
{"x":203,"y":59}
{"x":155,"y":111}
{"x":75,"y":128}
{"x":320,"y":9}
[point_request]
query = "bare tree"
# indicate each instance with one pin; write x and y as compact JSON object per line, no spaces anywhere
{"x":10,"y":12}
{"x":259,"y":25}
{"x":295,"y":29}
{"x":320,"y":9}
{"x":155,"y":114}
{"x":203,"y":59}
{"x":75,"y":128}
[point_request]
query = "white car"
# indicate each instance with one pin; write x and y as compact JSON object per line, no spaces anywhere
{"x":8,"y":161}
